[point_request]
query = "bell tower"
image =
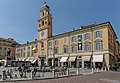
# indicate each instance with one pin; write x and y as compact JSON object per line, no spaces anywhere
{"x":44,"y":23}
{"x":44,"y":32}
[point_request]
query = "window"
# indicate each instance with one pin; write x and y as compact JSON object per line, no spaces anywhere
{"x":56,"y":50}
{"x":32,"y":54}
{"x":98,"y":46}
{"x":28,"y":53}
{"x":42,"y":23}
{"x":65,"y":40}
{"x":23,"y":54}
{"x":43,"y":13}
{"x":98,"y":34}
{"x":73,"y":49}
{"x":28,"y":48}
{"x":49,"y":23}
{"x":79,"y":46}
{"x":79,"y":38}
{"x":49,"y":44}
{"x":87,"y":47}
{"x":56,"y":42}
{"x":73,"y":39}
{"x":87,"y":36}
{"x":42,"y":44}
{"x":65,"y":50}
{"x":24,"y":49}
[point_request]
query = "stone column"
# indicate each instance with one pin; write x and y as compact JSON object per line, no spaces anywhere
{"x":107,"y":60}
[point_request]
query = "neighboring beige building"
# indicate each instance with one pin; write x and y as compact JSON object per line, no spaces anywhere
{"x":79,"y":48}
{"x":27,"y":52}
{"x":7,"y":45}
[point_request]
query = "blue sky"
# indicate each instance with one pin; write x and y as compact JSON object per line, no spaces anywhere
{"x":18,"y":18}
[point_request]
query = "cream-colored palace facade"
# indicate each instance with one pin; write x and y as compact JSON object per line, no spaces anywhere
{"x":78,"y":48}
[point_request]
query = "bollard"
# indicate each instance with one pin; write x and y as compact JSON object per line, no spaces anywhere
{"x":77,"y":71}
{"x":67,"y":72}
{"x":4,"y":75}
{"x":32,"y":74}
{"x":53,"y":73}
{"x":92,"y":70}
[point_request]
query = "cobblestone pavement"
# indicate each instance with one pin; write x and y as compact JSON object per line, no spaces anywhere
{"x":104,"y":77}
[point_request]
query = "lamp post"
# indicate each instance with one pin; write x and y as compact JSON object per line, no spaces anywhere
{"x":92,"y":64}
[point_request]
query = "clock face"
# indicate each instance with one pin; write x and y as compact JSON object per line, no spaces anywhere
{"x":42,"y":33}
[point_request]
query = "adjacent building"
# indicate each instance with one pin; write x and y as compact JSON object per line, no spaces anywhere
{"x":92,"y":44}
{"x":7,"y":50}
{"x":27,"y":52}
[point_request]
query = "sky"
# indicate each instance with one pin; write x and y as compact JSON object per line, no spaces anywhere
{"x":18,"y":18}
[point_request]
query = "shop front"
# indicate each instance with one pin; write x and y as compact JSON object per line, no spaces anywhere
{"x":86,"y":63}
{"x":73,"y":61}
{"x":98,"y":61}
{"x":64,"y":61}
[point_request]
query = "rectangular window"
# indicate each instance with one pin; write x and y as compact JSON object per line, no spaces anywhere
{"x":79,"y":46}
{"x":73,"y":49}
{"x":87,"y":36}
{"x":79,"y":38}
{"x":98,"y":46}
{"x":65,"y":40}
{"x":56,"y":51}
{"x":73,"y":39}
{"x":98,"y":34}
{"x":87,"y":48}
{"x":28,"y":53}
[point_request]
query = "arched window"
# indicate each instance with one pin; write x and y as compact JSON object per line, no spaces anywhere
{"x":56,"y":42}
{"x":42,"y":23}
{"x":42,"y":44}
{"x":65,"y":49}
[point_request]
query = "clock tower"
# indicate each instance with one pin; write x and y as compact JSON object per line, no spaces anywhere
{"x":44,"y":32}
{"x":44,"y":23}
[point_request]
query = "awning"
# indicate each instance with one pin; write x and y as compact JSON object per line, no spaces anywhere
{"x":72,"y":59}
{"x":63,"y":59}
{"x":86,"y":58}
{"x":34,"y":61}
{"x":23,"y":59}
{"x":97,"y":58}
{"x":27,"y":59}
